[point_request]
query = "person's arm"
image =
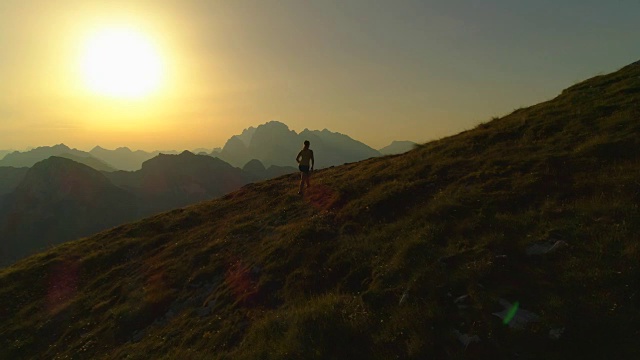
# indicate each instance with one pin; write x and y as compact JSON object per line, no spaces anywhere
{"x":298,"y":157}
{"x":312,"y":160}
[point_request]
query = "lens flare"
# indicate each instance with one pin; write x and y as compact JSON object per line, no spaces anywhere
{"x":511,"y":313}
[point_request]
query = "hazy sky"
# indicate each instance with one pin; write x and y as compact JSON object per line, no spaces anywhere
{"x":375,"y":70}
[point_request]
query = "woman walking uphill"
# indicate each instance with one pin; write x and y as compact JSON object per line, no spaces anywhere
{"x":305,"y":164}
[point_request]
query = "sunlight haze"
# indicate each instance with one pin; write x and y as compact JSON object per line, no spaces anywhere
{"x":121,"y":62}
{"x":187,"y":74}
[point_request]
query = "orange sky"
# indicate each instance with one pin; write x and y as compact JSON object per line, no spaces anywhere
{"x":375,"y":70}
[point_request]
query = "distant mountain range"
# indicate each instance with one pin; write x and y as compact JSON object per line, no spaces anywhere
{"x":29,"y":158}
{"x":123,"y":158}
{"x":274,"y":143}
{"x":59,"y":199}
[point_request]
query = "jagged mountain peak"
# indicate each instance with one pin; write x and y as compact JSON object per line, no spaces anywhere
{"x":60,"y":146}
{"x":272,"y":128}
{"x":275,"y":123}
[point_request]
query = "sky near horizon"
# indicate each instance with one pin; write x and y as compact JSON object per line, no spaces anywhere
{"x":375,"y":70}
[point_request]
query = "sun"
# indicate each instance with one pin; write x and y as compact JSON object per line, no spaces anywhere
{"x":121,"y":62}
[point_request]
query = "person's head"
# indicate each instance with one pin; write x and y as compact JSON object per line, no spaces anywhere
{"x":306,"y":144}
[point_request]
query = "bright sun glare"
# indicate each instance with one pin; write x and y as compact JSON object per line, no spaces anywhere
{"x":121,"y":62}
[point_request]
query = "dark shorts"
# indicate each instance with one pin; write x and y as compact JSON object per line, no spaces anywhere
{"x":303,"y":168}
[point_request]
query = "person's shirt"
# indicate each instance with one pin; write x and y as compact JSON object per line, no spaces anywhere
{"x":305,"y":156}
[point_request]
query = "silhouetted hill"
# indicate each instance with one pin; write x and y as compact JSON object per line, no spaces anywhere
{"x":517,"y":239}
{"x":274,"y":144}
{"x":254,"y":167}
{"x":397,"y":147}
{"x":90,"y":161}
{"x":256,"y":170}
{"x":61,"y":187}
{"x":204,"y":151}
{"x":29,"y":158}
{"x":169,"y":181}
{"x":123,"y":158}
{"x":10,"y":177}
{"x":58,"y":200}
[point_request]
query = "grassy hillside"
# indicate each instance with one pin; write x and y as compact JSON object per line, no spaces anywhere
{"x":404,"y":256}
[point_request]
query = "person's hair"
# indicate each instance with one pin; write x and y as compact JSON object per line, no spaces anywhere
{"x":306,"y":143}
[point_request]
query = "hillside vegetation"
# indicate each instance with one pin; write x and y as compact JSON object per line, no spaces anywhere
{"x":405,"y":256}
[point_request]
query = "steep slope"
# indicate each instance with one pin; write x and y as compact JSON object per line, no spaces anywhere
{"x":411,"y":256}
{"x":59,"y":200}
{"x":5,"y":152}
{"x":90,"y":161}
{"x":10,"y":177}
{"x":234,"y":152}
{"x":397,"y":147}
{"x":247,"y":135}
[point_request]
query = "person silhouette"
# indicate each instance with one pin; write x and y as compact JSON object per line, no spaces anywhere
{"x":305,"y":162}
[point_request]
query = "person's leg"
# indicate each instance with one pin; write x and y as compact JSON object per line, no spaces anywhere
{"x":301,"y":182}
{"x":307,"y":176}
